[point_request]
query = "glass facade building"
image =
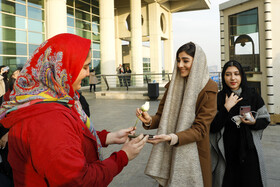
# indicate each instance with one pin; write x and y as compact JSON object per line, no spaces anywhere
{"x":23,"y":28}
{"x":83,"y":20}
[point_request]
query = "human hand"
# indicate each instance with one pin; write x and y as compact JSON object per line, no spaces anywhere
{"x":159,"y":138}
{"x":250,"y":120}
{"x":143,"y":116}
{"x":133,"y":147}
{"x":4,"y":140}
{"x":119,"y":137}
{"x":231,"y":101}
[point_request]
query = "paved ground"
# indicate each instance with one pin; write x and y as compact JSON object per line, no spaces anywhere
{"x":117,"y":114}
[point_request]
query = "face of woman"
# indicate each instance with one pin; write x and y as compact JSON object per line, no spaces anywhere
{"x":233,"y":78}
{"x":83,"y":73}
{"x":184,"y":63}
{"x":15,"y":74}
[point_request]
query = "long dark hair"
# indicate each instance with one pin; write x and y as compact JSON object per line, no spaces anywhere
{"x":243,"y":83}
{"x":188,"y":48}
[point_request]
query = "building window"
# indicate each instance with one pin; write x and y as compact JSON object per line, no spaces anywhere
{"x":83,"y":20}
{"x":146,"y":65}
{"x":244,"y":39}
{"x":22,"y":30}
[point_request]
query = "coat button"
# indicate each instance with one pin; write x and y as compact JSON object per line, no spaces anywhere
{"x":83,"y":128}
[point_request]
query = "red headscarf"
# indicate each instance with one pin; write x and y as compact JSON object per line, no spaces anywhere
{"x":50,"y":73}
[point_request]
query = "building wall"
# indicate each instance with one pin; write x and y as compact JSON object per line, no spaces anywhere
{"x":276,"y":52}
{"x":255,"y":77}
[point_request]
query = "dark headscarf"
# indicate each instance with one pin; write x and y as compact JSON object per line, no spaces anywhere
{"x":243,"y":85}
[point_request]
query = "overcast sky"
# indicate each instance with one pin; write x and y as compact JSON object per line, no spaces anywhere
{"x":201,"y":27}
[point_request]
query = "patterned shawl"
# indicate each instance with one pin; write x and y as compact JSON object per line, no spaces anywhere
{"x":177,"y":166}
{"x":49,"y":74}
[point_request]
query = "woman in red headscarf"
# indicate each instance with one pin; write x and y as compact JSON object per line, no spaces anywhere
{"x":51,"y":140}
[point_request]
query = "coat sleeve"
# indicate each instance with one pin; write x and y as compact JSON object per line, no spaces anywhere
{"x":58,"y":155}
{"x":220,"y":120}
{"x":203,"y":119}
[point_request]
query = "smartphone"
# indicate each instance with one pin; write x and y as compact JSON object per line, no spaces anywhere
{"x":134,"y":136}
{"x":6,"y":68}
{"x":244,"y":109}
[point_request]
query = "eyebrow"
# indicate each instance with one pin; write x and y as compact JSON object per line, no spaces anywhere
{"x":232,"y":71}
{"x":184,"y":58}
{"x":87,"y":64}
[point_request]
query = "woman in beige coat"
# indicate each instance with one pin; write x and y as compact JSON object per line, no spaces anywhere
{"x":92,"y":80}
{"x":181,"y":154}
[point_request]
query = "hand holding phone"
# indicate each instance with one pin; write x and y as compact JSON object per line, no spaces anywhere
{"x":134,"y":136}
{"x":244,"y":109}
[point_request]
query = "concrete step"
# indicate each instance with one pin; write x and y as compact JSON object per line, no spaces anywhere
{"x":141,"y":95}
{"x":121,"y":93}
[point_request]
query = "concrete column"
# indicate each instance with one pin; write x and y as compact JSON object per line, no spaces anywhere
{"x":269,"y":56}
{"x":136,"y":37}
{"x":118,"y":41}
{"x":222,"y":39}
{"x":155,"y":37}
{"x":107,"y":37}
{"x":169,"y":58}
{"x":56,"y":17}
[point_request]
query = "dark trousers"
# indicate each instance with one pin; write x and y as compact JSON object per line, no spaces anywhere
{"x":94,"y":87}
{"x":121,"y":80}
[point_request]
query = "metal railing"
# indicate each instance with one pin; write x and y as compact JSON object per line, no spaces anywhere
{"x":138,"y":81}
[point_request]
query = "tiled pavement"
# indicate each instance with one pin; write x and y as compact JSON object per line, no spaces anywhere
{"x":117,"y":114}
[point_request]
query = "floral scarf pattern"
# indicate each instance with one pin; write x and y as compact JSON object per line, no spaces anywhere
{"x":48,"y":76}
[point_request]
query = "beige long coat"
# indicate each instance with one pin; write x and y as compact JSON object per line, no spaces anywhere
{"x":92,"y":78}
{"x":206,"y":109}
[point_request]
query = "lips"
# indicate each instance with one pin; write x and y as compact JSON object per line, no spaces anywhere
{"x":233,"y":83}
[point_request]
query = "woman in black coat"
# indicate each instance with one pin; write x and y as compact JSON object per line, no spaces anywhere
{"x":235,"y":136}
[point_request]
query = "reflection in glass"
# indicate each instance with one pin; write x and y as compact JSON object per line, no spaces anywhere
{"x":96,"y":64}
{"x":82,"y":6}
{"x":84,"y":34}
{"x":36,"y":3}
{"x":82,"y":24}
{"x":95,"y":2}
{"x":13,"y":62}
{"x":35,"y":26}
{"x":96,"y":54}
{"x":70,"y":22}
{"x":13,"y":8}
{"x":82,"y":15}
{"x":12,"y":21}
{"x":95,"y":10}
{"x":70,"y":2}
{"x":12,"y":35}
{"x":95,"y":29}
{"x":35,"y":38}
{"x":35,"y":13}
{"x":95,"y":45}
{"x":70,"y":30}
{"x":95,"y":37}
{"x":32,"y":48}
{"x":22,"y":1}
{"x":70,"y":12}
{"x":244,"y":39}
{"x":95,"y":19}
{"x":12,"y":48}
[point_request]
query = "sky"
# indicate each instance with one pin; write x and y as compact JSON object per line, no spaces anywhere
{"x":201,"y":27}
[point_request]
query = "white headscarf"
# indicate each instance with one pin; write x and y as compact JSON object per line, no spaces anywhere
{"x":177,"y":166}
